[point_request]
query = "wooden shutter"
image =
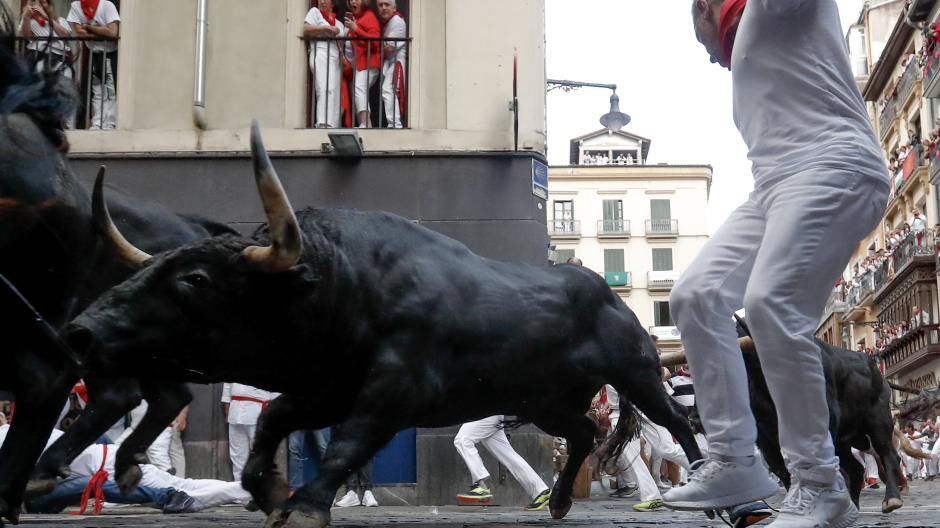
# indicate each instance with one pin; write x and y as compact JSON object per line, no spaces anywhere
{"x":662,"y":259}
{"x":660,"y":210}
{"x":613,"y":260}
{"x":564,"y":255}
{"x":613,"y":210}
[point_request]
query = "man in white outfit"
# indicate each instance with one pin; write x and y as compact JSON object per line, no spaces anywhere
{"x":490,"y":433}
{"x":243,"y":405}
{"x":101,"y":20}
{"x":393,"y":64}
{"x":321,"y":21}
{"x":820,"y":186}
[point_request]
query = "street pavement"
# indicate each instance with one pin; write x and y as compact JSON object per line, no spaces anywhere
{"x":921,"y":510}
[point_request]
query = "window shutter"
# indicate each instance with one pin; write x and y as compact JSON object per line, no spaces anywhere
{"x":564,"y":255}
{"x":660,"y":210}
{"x":662,"y":259}
{"x":661,"y":315}
{"x":613,"y":210}
{"x":613,"y":260}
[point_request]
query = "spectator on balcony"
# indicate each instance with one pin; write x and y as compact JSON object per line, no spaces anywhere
{"x":920,"y":317}
{"x":361,"y":22}
{"x":586,"y":159}
{"x":99,"y":18}
{"x":393,"y":69}
{"x":630,"y":160}
{"x":325,"y":62}
{"x":39,"y":20}
{"x":621,"y":160}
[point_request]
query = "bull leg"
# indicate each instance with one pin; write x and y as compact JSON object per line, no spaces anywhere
{"x":853,"y":470}
{"x":261,"y":478}
{"x":768,"y":442}
{"x":164,"y":403}
{"x":881,"y":437}
{"x":579,"y":431}
{"x":108,"y":401}
{"x":353,"y":443}
{"x":39,"y":402}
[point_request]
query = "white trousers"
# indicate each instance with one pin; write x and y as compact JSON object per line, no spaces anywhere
{"x":103,"y":99}
{"x":777,"y":256}
{"x":159,"y":450}
{"x":871,"y":465}
{"x":328,"y":81}
{"x":935,"y":458}
{"x":488,"y":432}
{"x":389,"y":97}
{"x":636,"y":473}
{"x":240,"y":438}
{"x":365,"y":80}
{"x":177,"y":455}
{"x":661,"y":443}
{"x":207,"y":493}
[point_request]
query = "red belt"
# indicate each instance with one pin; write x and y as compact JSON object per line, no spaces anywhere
{"x":97,"y":480}
{"x":264,"y":403}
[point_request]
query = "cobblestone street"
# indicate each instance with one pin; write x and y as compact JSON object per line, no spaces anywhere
{"x":921,"y":509}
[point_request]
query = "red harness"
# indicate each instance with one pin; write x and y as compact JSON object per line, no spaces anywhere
{"x":95,"y":484}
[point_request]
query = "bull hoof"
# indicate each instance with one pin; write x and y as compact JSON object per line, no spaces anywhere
{"x":559,"y":511}
{"x":267,"y":488}
{"x":890,"y":505}
{"x":39,"y":487}
{"x":128,"y":480}
{"x":297,"y":519}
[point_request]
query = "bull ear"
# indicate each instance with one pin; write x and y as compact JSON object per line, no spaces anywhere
{"x":104,"y":225}
{"x":286,"y":245}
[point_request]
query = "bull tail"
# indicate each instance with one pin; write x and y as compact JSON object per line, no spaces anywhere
{"x":907,"y":448}
{"x":627,"y":430}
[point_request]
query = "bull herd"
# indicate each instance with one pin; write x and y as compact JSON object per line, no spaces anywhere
{"x":364,"y":321}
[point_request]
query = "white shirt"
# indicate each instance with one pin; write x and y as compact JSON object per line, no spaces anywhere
{"x":395,"y":28}
{"x":244,"y":412}
{"x":315,"y":18}
{"x":918,"y":223}
{"x":105,"y":14}
{"x":796,"y":101}
{"x":57,"y":46}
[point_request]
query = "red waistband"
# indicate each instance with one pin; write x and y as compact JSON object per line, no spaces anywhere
{"x":264,"y":403}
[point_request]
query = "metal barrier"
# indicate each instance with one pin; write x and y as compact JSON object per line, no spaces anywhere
{"x":613,"y":227}
{"x":564,"y":227}
{"x":662,"y":227}
{"x":345,"y":49}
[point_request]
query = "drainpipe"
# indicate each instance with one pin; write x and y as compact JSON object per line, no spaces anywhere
{"x":199,"y":91}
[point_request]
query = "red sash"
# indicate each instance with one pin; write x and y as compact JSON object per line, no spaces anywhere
{"x":90,"y":7}
{"x":398,"y":81}
{"x":729,"y":11}
{"x":94,"y":484}
{"x":264,"y":403}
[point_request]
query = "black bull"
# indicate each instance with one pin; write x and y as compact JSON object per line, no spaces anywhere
{"x":858,"y":397}
{"x":370,"y":322}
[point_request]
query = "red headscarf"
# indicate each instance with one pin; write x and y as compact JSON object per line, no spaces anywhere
{"x":729,"y":12}
{"x":90,"y":7}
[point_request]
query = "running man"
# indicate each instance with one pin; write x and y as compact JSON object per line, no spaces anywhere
{"x":820,"y":186}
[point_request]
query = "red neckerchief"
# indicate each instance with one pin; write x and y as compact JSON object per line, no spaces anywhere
{"x":361,"y":14}
{"x":329,"y":16}
{"x":40,"y":19}
{"x":396,"y":13}
{"x":90,"y":7}
{"x":729,"y":11}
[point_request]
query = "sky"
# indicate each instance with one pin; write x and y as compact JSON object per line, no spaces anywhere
{"x":665,"y":81}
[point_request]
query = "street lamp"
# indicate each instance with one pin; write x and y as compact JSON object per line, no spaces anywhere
{"x":613,"y":120}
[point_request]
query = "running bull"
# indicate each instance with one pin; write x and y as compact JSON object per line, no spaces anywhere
{"x":859,"y":416}
{"x":370,"y":322}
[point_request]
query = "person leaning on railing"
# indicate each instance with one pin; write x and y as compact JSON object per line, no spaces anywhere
{"x":394,"y":55}
{"x":325,"y":62}
{"x":99,"y":18}
{"x":361,"y":22}
{"x":39,"y":20}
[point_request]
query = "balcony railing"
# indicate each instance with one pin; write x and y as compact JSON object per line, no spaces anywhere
{"x":564,"y":228}
{"x":619,"y":279}
{"x":662,"y":228}
{"x":72,"y":57}
{"x":918,"y":347}
{"x":910,"y":77}
{"x":613,"y":228}
{"x":661,"y":280}
{"x":665,"y":333}
{"x":888,"y":114}
{"x":387,"y":96}
{"x":916,"y":244}
{"x":931,"y":84}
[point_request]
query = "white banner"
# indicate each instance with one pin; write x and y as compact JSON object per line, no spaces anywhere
{"x":664,"y":276}
{"x":666,"y":333}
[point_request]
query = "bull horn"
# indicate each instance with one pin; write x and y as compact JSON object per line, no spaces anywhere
{"x":104,"y":225}
{"x":286,"y":245}
{"x":671,"y":360}
{"x":747,"y":344}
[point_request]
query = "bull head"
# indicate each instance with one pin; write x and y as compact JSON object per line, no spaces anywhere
{"x":286,"y":245}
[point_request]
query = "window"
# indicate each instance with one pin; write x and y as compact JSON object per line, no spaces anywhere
{"x":660,"y":210}
{"x":376,"y":97}
{"x":613,"y":209}
{"x":858,"y":50}
{"x":564,"y":255}
{"x":662,"y":259}
{"x":661,"y":315}
{"x":564,"y":210}
{"x":613,"y":260}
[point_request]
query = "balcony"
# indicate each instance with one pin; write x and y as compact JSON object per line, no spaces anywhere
{"x":910,"y":77}
{"x":909,"y":251}
{"x":931,"y":79}
{"x":613,"y":229}
{"x":661,"y":281}
{"x":918,"y":347}
{"x":888,"y":114}
{"x":662,"y":229}
{"x":619,"y":280}
{"x":564,"y":229}
{"x":665,"y":333}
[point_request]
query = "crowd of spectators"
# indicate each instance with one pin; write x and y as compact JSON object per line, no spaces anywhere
{"x":601,"y":158}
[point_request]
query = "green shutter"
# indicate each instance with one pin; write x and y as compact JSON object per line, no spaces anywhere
{"x":662,"y":259}
{"x":613,"y":260}
{"x":613,"y":210}
{"x":564,"y":255}
{"x":660,"y":210}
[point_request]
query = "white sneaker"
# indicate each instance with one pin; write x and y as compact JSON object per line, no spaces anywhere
{"x":368,"y":500}
{"x":714,"y":484}
{"x":350,"y":499}
{"x":809,"y":505}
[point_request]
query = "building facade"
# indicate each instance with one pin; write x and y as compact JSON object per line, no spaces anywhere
{"x":637,"y":225}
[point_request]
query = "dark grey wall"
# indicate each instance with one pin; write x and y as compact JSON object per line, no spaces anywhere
{"x":482,"y":200}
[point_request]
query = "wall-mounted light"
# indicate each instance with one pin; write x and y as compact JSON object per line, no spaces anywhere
{"x":346,"y":143}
